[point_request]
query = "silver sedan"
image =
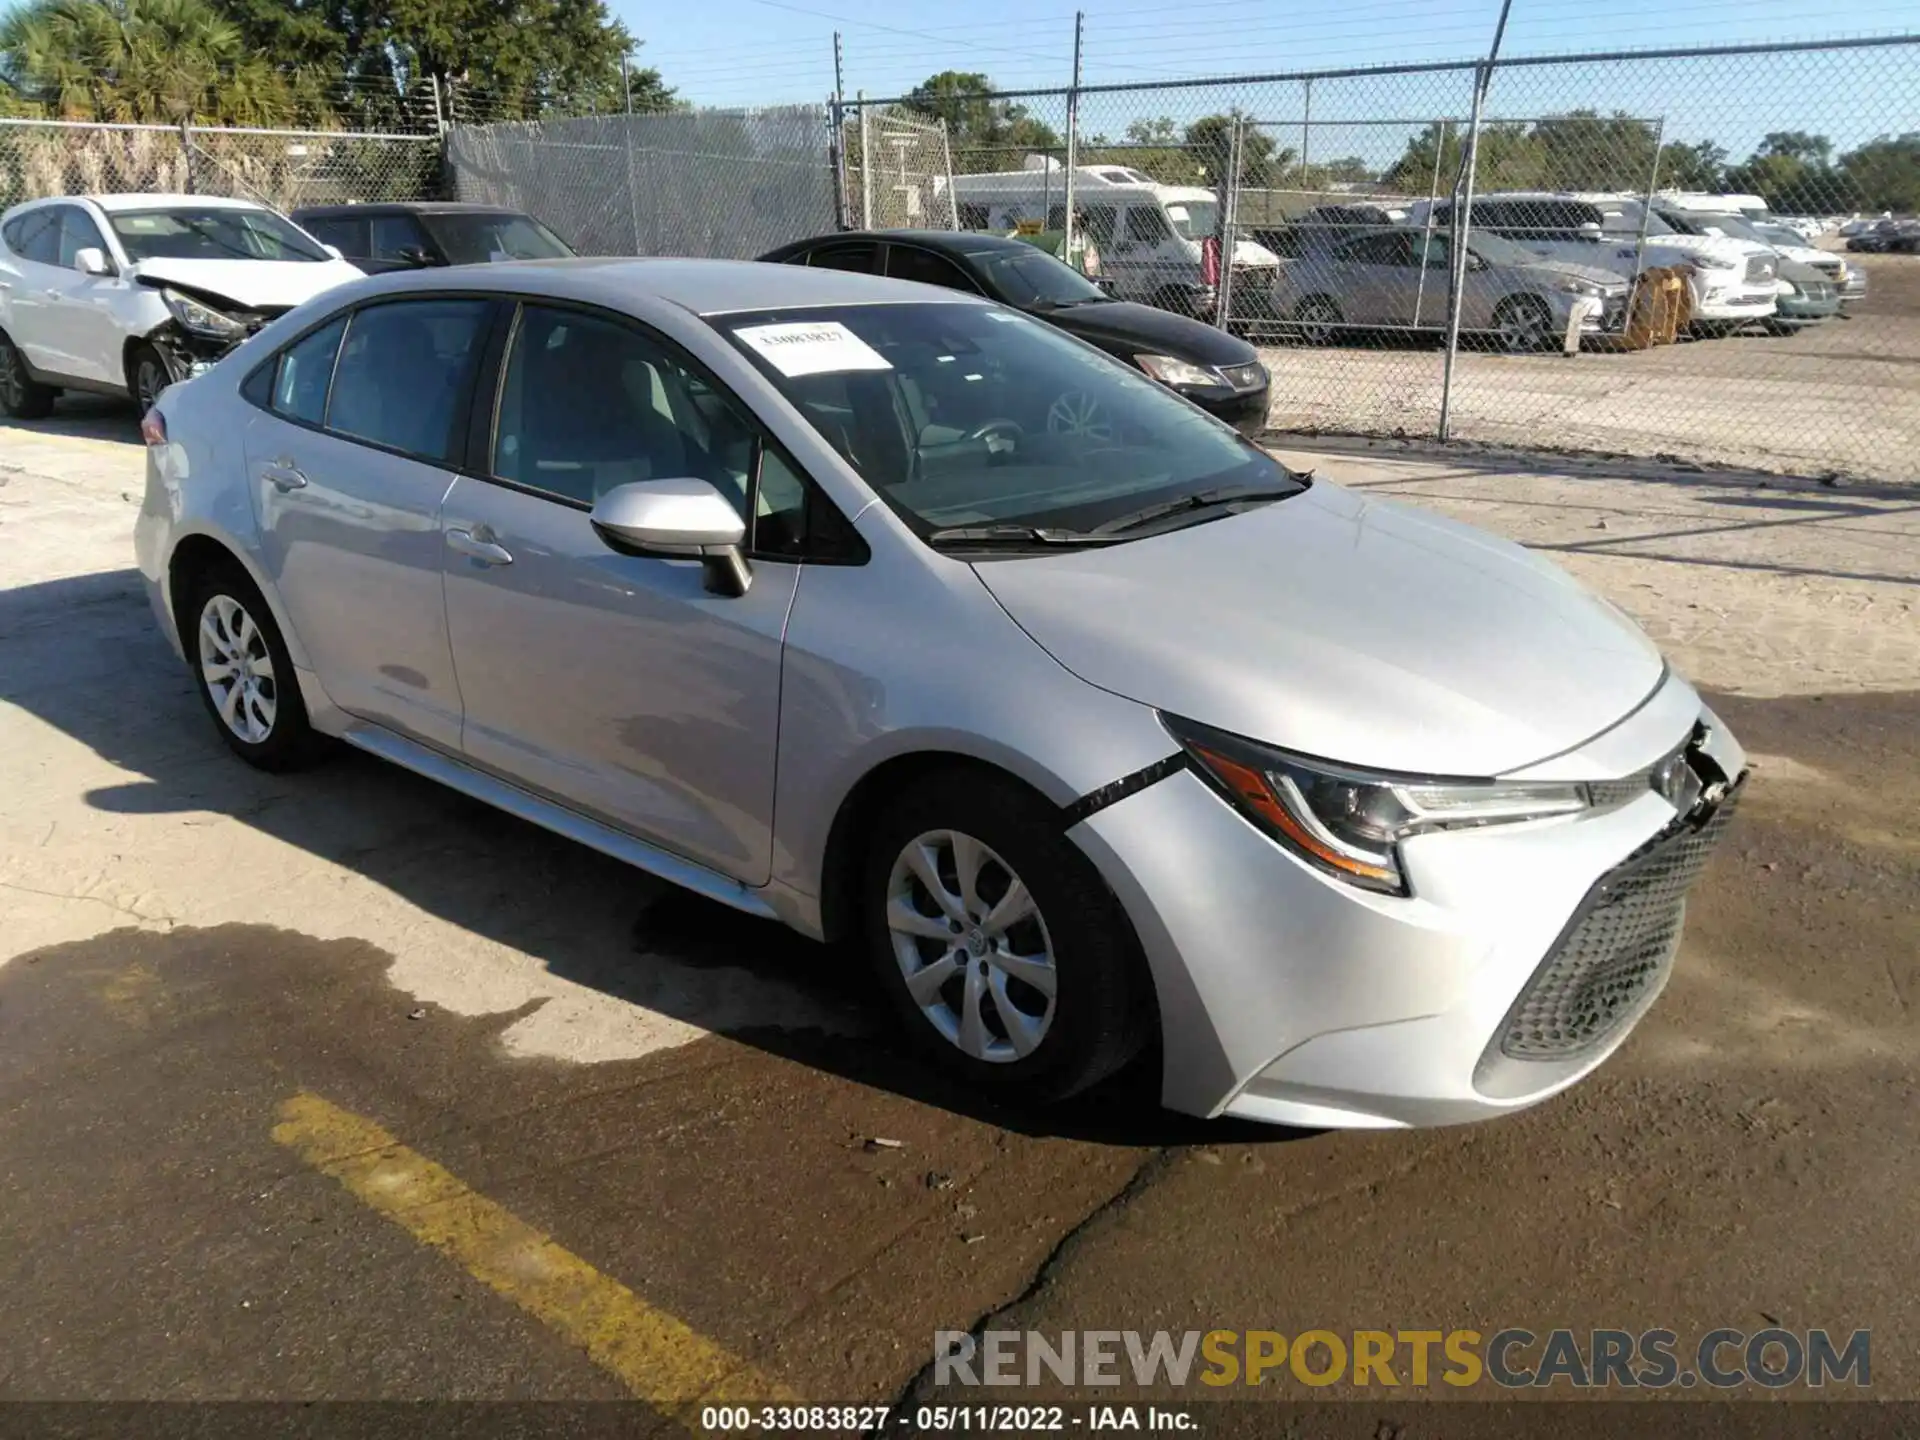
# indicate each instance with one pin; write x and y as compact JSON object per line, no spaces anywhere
{"x":896,"y":616}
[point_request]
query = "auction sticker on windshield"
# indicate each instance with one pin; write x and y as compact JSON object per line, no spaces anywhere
{"x":823,"y":347}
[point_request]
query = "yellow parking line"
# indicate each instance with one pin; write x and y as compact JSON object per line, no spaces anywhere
{"x":662,"y":1360}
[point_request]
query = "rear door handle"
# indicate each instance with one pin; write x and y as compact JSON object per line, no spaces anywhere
{"x":283,"y":475}
{"x":478,"y":544}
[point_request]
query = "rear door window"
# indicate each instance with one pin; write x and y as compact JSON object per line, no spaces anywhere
{"x":348,"y":236}
{"x":301,"y":375}
{"x":858,"y":256}
{"x":403,"y":373}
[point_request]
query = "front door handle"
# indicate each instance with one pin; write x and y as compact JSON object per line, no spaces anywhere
{"x":478,"y":544}
{"x":283,"y":475}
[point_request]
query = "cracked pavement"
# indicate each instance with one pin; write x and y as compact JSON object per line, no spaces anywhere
{"x":685,"y":1099}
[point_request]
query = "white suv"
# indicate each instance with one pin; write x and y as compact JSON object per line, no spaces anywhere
{"x":124,"y":294}
{"x":1733,"y":282}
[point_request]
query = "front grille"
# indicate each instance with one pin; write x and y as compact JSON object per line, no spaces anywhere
{"x":1245,"y":377}
{"x":1832,"y":268}
{"x":1613,"y":955}
{"x":1760,"y":268}
{"x":1817,"y":290}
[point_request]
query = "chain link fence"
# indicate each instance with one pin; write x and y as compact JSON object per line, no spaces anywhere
{"x":280,"y":168}
{"x":729,"y":184}
{"x":897,"y":169}
{"x":1638,"y":253}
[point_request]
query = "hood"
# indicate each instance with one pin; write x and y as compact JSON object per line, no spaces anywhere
{"x":1593,"y":275}
{"x":1249,"y":252}
{"x":1721,"y":245}
{"x":1120,"y":325}
{"x":254,"y":284}
{"x":1344,"y":627}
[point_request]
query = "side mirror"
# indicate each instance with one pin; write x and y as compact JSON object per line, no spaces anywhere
{"x":677,"y":519}
{"x":92,"y":261}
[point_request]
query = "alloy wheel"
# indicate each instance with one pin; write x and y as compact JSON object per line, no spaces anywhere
{"x":1523,"y":327}
{"x":1317,"y":321}
{"x":972,"y":946}
{"x":237,"y":668}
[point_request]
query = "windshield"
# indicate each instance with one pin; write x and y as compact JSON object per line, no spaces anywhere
{"x":1772,"y":234}
{"x":1734,"y":227}
{"x":1039,"y":280}
{"x":968,"y":415}
{"x":1194,"y":219}
{"x":476,"y":239}
{"x":1626,"y":221}
{"x":212,"y":233}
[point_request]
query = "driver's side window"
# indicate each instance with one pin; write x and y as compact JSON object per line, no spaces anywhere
{"x":77,"y":233}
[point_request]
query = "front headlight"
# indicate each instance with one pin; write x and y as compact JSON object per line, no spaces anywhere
{"x":1573,"y":285}
{"x":197,"y":318}
{"x":1349,"y":823}
{"x":1169,"y":371}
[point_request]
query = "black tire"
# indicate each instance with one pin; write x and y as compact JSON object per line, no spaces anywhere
{"x":288,"y":741}
{"x":147,"y":376}
{"x":1318,"y":319}
{"x":1102,"y":1012}
{"x":1524,"y":324}
{"x":21,"y":396}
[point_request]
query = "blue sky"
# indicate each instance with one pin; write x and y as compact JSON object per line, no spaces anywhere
{"x":761,"y":52}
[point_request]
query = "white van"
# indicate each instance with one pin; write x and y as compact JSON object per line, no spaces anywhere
{"x":1733,"y":281}
{"x":1149,"y":235}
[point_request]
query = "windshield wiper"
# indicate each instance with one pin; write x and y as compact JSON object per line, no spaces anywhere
{"x":1199,"y":500}
{"x":973,"y":536}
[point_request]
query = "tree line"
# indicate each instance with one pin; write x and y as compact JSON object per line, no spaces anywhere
{"x":355,"y":63}
{"x":1795,"y":172}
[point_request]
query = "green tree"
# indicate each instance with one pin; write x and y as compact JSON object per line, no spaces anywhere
{"x":1883,"y":174}
{"x":1700,"y":166}
{"x":1509,"y":159}
{"x":985,"y":132}
{"x":1792,"y":171}
{"x":1210,"y":141}
{"x":1584,"y":150}
{"x":139,"y":60}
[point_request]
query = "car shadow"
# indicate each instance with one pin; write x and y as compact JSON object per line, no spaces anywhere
{"x":587,"y":918}
{"x":87,"y":417}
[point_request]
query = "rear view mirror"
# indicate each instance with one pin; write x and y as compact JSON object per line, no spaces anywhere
{"x":92,"y":261}
{"x":677,"y":519}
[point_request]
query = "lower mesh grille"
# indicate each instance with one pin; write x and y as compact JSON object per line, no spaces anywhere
{"x":1616,"y":951}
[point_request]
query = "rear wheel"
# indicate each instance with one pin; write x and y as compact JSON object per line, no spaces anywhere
{"x":21,"y":396}
{"x":1010,"y":964}
{"x":1523,"y":323}
{"x":244,"y":673}
{"x":1317,"y":319}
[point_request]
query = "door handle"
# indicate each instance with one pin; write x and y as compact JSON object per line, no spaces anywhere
{"x":283,"y":475}
{"x":478,"y":544}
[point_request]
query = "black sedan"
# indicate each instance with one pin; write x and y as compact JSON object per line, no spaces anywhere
{"x":1218,"y":372}
{"x":413,"y":234}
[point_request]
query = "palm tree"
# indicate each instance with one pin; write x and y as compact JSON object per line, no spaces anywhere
{"x":138,"y":60}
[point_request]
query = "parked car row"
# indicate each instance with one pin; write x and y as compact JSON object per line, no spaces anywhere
{"x":1894,"y":235}
{"x":126,"y":294}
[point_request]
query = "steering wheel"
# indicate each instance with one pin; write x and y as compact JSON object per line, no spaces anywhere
{"x":1000,"y":435}
{"x":1078,"y":413}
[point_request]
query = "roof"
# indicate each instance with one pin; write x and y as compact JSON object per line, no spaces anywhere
{"x":705,"y":287}
{"x":139,"y":201}
{"x":410,"y":207}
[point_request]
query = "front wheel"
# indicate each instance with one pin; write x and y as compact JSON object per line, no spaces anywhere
{"x":1317,"y":320}
{"x":1523,"y":323}
{"x":1010,"y":964}
{"x":21,"y":396}
{"x":147,"y":376}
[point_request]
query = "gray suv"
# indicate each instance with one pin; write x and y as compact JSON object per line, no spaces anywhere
{"x":1397,"y":277}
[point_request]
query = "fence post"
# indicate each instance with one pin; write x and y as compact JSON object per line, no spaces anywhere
{"x":1646,"y":219}
{"x":1463,"y":219}
{"x":837,"y":143}
{"x":1426,"y":234}
{"x":186,"y":153}
{"x":439,"y":115}
{"x":866,"y":164}
{"x":1225,"y":225}
{"x":946,"y":152}
{"x":1306,"y":127}
{"x":1073,"y":136}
